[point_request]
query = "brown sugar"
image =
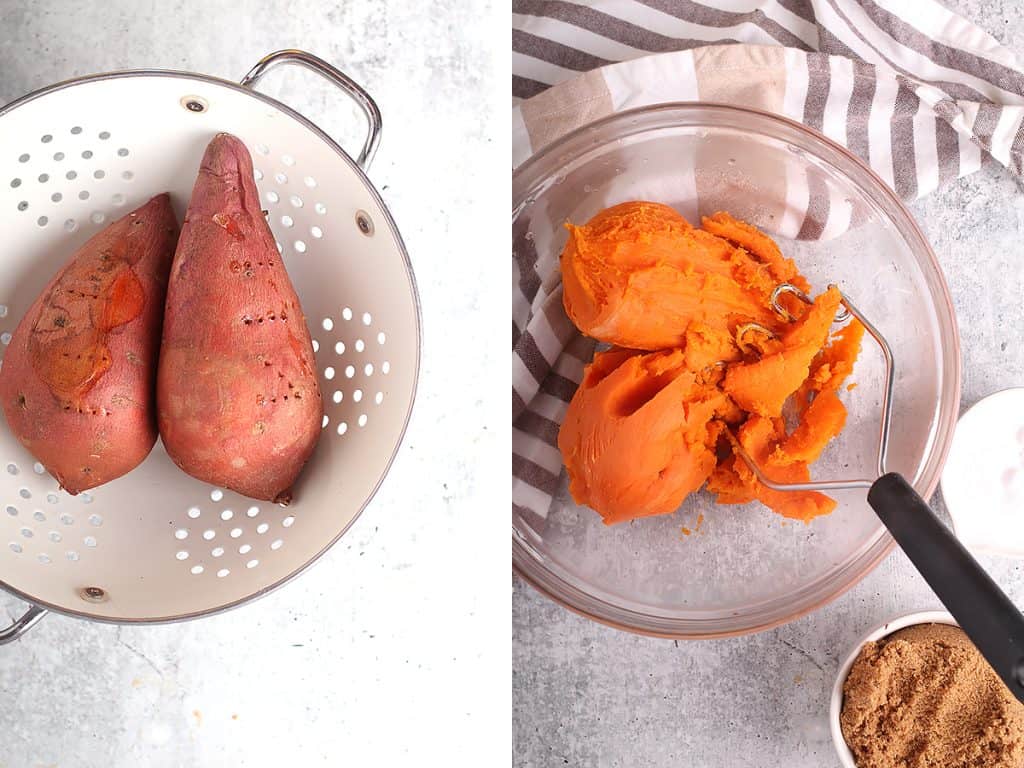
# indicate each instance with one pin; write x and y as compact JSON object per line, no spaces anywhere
{"x":924,"y":697}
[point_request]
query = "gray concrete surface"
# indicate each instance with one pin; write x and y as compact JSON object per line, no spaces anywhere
{"x":380,"y":654}
{"x":586,"y":695}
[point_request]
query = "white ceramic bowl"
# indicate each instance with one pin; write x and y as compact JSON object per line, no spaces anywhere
{"x":836,"y":706}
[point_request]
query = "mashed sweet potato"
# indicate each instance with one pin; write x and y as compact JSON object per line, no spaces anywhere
{"x":700,"y":360}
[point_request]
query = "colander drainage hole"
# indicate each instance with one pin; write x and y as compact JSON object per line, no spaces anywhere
{"x":76,"y":130}
{"x":181,"y":554}
{"x":15,"y":547}
{"x":385,"y":367}
{"x":43,"y":558}
{"x":227,"y":514}
{"x":327,"y":324}
{"x":337,"y":396}
{"x":252,"y":511}
{"x":25,"y":493}
{"x":52,"y":498}
{"x":66,"y":519}
{"x":288,"y":160}
{"x":287,"y":522}
{"x":95,"y":521}
{"x":367,"y":318}
{"x":181,"y":534}
{"x":316,"y":232}
{"x":196,"y":570}
{"x":252,"y":563}
{"x":245,"y":549}
{"x":89,"y":541}
{"x":12,"y":511}
{"x":325,"y":421}
{"x":339,"y":348}
{"x":12,"y":468}
{"x":222,"y":573}
{"x":55,"y":537}
{"x":262,"y":528}
{"x":310,"y":182}
{"x":346,"y":313}
{"x":42,"y":221}
{"x":209,"y":534}
{"x":71,"y":555}
{"x":276,"y":544}
{"x":381,"y":338}
{"x":280,"y":178}
{"x":24,"y":158}
{"x":38,"y":516}
{"x":15,"y":183}
{"x":217,"y":551}
{"x":216,"y":494}
{"x":368,"y":369}
{"x":360,"y":345}
{"x":300,"y":246}
{"x":342,"y":428}
{"x":193,"y":512}
{"x":362,"y":420}
{"x":296,"y":201}
{"x":56,"y":197}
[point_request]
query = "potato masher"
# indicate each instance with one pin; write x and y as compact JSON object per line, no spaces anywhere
{"x":986,"y":614}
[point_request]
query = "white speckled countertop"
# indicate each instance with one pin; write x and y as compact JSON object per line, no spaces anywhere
{"x":376,"y":654}
{"x":586,"y":695}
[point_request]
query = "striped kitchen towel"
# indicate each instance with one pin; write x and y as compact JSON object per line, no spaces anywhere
{"x":918,"y":92}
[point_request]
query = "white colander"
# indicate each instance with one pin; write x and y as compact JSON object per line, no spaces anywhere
{"x":157,"y":545}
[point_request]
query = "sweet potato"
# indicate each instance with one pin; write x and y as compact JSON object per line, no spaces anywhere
{"x":638,"y":436}
{"x":78,"y":375}
{"x":763,"y":386}
{"x":637,"y":275}
{"x":237,"y":395}
{"x":734,"y":482}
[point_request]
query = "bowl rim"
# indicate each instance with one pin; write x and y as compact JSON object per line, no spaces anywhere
{"x":881,"y":631}
{"x":944,"y":301}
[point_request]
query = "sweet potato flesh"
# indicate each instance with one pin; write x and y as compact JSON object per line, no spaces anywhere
{"x":78,"y":376}
{"x":702,"y":360}
{"x":238,"y":400}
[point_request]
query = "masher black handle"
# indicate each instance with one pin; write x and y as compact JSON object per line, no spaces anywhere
{"x":979,"y":606}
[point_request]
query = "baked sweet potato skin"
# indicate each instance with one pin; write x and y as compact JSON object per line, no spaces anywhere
{"x":237,"y":395}
{"x":78,"y":377}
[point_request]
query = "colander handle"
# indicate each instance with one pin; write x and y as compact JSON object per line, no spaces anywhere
{"x":22,"y":625}
{"x":334,"y":75}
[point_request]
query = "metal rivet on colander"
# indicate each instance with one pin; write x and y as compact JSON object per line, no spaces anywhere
{"x":365,"y":223}
{"x":93,"y":594}
{"x":194,"y":104}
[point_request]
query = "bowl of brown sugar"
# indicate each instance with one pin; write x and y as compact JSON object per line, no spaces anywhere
{"x":916,"y":693}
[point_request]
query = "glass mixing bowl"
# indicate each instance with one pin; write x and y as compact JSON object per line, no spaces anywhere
{"x":746,"y":569}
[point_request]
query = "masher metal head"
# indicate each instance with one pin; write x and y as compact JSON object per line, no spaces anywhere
{"x":883,"y":437}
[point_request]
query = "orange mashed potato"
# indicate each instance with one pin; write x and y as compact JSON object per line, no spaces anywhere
{"x":655,"y":417}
